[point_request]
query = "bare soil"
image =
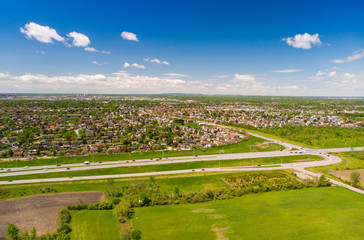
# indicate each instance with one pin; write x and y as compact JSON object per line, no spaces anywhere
{"x":345,"y":174}
{"x":199,"y":210}
{"x":40,"y":211}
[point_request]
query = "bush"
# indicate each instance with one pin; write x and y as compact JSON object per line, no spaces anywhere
{"x":123,"y":211}
{"x":136,"y":234}
{"x":12,"y":232}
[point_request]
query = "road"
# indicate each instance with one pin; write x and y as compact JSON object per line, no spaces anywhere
{"x":299,"y":166}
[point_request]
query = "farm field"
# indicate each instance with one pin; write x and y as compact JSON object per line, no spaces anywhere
{"x":168,"y":167}
{"x":345,"y":174}
{"x":253,"y":144}
{"x":40,"y":212}
{"x":94,"y":225}
{"x":316,"y":213}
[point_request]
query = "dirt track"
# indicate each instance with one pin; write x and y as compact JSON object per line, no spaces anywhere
{"x":40,"y":211}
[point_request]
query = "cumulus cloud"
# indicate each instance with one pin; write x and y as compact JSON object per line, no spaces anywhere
{"x":356,"y":56}
{"x":79,"y":39}
{"x":156,"y":60}
{"x":220,"y":76}
{"x":91,"y":49}
{"x":135,"y":65}
{"x":129,"y":36}
{"x":304,"y":41}
{"x":287,"y":70}
{"x":40,"y":52}
{"x":41,"y":33}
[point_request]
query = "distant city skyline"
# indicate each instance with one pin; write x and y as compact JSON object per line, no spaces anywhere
{"x":315,"y":48}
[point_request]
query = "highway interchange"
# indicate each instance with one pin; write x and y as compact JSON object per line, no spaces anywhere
{"x":299,"y":167}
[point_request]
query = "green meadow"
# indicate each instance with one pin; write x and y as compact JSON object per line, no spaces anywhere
{"x":314,"y":213}
{"x":94,"y":225}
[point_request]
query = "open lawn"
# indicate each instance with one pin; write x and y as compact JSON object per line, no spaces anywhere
{"x":94,"y":225}
{"x":252,"y":144}
{"x":168,"y":167}
{"x":315,"y":213}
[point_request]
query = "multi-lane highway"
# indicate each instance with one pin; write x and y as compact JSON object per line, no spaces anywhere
{"x":299,"y":166}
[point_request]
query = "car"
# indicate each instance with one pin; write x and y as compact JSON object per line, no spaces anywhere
{"x":8,"y":169}
{"x":68,"y":168}
{"x":70,"y":177}
{"x":133,"y":160}
{"x":10,"y":181}
{"x":127,"y":161}
{"x":258,"y":165}
{"x":26,"y":167}
{"x":100,"y":162}
{"x":45,"y":169}
{"x":193,"y":170}
{"x":202,"y":169}
{"x":86,"y":162}
{"x":58,"y":165}
{"x":1,"y":169}
{"x":151,"y":159}
{"x":196,"y":156}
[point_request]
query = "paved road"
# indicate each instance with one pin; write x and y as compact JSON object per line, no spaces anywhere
{"x":300,"y":166}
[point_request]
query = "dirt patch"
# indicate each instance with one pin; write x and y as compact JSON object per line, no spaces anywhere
{"x":199,"y":210}
{"x":214,"y":216}
{"x":220,"y":233}
{"x":40,"y":211}
{"x":345,"y":174}
{"x":262,"y":145}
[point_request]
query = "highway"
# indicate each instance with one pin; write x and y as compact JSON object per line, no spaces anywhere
{"x":299,"y":166}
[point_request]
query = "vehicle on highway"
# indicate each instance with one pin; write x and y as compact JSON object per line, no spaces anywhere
{"x":1,"y":169}
{"x":202,"y":169}
{"x":100,"y":162}
{"x":193,"y":170}
{"x":68,"y":168}
{"x":86,"y":162}
{"x":26,"y":167}
{"x":46,"y":169}
{"x":10,"y":181}
{"x":58,"y":165}
{"x":8,"y":170}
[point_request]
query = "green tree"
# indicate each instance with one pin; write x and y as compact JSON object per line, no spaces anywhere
{"x":355,"y":178}
{"x":136,"y":234}
{"x":12,"y":232}
{"x":123,"y":211}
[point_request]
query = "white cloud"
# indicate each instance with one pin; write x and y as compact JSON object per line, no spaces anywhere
{"x":138,"y":65}
{"x":156,"y":60}
{"x":175,"y":75}
{"x":304,"y":41}
{"x":120,"y":82}
{"x":79,"y":39}
{"x":98,"y":63}
{"x":41,"y":33}
{"x":91,"y":49}
{"x":287,"y":70}
{"x":354,"y":57}
{"x":129,"y":36}
{"x":135,"y":65}
{"x":40,"y":52}
{"x":105,"y":52}
{"x":221,"y":76}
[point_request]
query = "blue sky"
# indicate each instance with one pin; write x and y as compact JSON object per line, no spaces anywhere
{"x":300,"y":48}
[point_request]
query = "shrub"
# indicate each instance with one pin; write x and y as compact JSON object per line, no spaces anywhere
{"x":123,"y":211}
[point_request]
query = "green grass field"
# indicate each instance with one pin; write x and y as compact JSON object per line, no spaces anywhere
{"x":351,"y":160}
{"x":246,"y":146}
{"x":94,"y":225}
{"x":315,"y":213}
{"x":168,"y":167}
{"x":185,"y":182}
